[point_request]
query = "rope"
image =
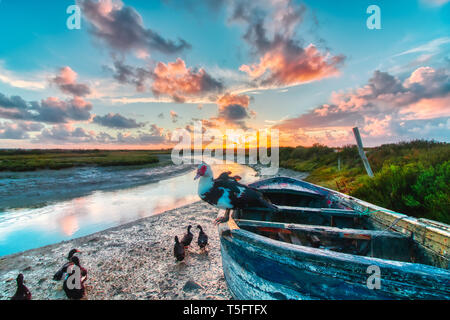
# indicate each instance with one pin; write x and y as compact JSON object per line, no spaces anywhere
{"x":383,"y":231}
{"x":368,"y":213}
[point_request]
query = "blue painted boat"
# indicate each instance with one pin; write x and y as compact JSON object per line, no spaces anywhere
{"x":323,"y":244}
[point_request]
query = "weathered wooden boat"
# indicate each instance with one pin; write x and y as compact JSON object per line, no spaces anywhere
{"x":326,"y":245}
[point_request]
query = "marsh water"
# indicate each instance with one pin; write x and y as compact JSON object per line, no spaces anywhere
{"x":113,"y":203}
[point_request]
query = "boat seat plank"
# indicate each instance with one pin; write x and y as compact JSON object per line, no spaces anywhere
{"x":295,"y":239}
{"x":323,"y":211}
{"x":345,"y":233}
{"x":284,"y":237}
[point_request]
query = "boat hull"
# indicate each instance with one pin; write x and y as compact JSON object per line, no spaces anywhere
{"x":259,"y":268}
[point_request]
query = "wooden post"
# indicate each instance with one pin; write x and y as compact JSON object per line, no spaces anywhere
{"x":339,"y":163}
{"x":361,"y":152}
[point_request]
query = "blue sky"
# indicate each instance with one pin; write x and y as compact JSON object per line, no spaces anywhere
{"x":411,"y":51}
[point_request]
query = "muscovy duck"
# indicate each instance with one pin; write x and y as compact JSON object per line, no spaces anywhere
{"x":202,"y":240}
{"x":187,"y":239}
{"x":178,"y":250}
{"x":76,"y":261}
{"x":22,"y":292}
{"x":76,"y":289}
{"x":228,"y":193}
{"x":72,"y":292}
{"x":60,"y":273}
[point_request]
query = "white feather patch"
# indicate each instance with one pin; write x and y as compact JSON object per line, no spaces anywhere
{"x":224,"y":201}
{"x":242,"y":190}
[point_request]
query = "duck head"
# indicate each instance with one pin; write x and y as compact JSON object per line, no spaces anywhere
{"x":20,"y":279}
{"x":72,"y":252}
{"x":204,"y":170}
{"x":200,"y":228}
{"x":176,"y":240}
{"x":75,"y":261}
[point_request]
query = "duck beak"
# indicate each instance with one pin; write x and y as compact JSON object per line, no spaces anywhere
{"x":197,"y":176}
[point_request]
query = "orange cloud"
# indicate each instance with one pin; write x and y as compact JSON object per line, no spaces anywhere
{"x":174,"y":79}
{"x":427,"y":109}
{"x":278,"y":67}
{"x":229,"y":99}
{"x":384,"y":108}
{"x":66,"y":81}
{"x":233,"y":111}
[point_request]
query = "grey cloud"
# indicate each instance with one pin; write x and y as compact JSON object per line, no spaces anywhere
{"x":128,"y":74}
{"x":116,"y":121}
{"x":64,"y":134}
{"x":122,"y":29}
{"x":19,"y":130}
{"x":75,"y":89}
{"x":12,"y":102}
{"x":234,"y":112}
{"x":66,"y":82}
{"x":51,"y":110}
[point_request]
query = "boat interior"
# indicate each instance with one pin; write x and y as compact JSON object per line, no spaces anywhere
{"x":308,"y":218}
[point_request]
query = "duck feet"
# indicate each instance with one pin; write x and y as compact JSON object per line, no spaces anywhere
{"x":220,"y":220}
{"x":223,"y":219}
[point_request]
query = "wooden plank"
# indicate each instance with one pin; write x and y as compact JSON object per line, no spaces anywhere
{"x":315,"y":241}
{"x":322,"y":211}
{"x":284,"y":237}
{"x":344,"y":233}
{"x":295,"y":239}
{"x":362,"y":153}
{"x":293,"y":192}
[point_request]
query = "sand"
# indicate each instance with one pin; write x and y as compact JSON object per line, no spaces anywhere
{"x":132,"y":261}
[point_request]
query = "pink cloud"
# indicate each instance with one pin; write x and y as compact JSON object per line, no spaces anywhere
{"x":281,"y":68}
{"x":385,"y":108}
{"x":66,"y":81}
{"x":180,"y":83}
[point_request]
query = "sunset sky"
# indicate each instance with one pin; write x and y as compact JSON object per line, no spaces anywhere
{"x":137,"y":70}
